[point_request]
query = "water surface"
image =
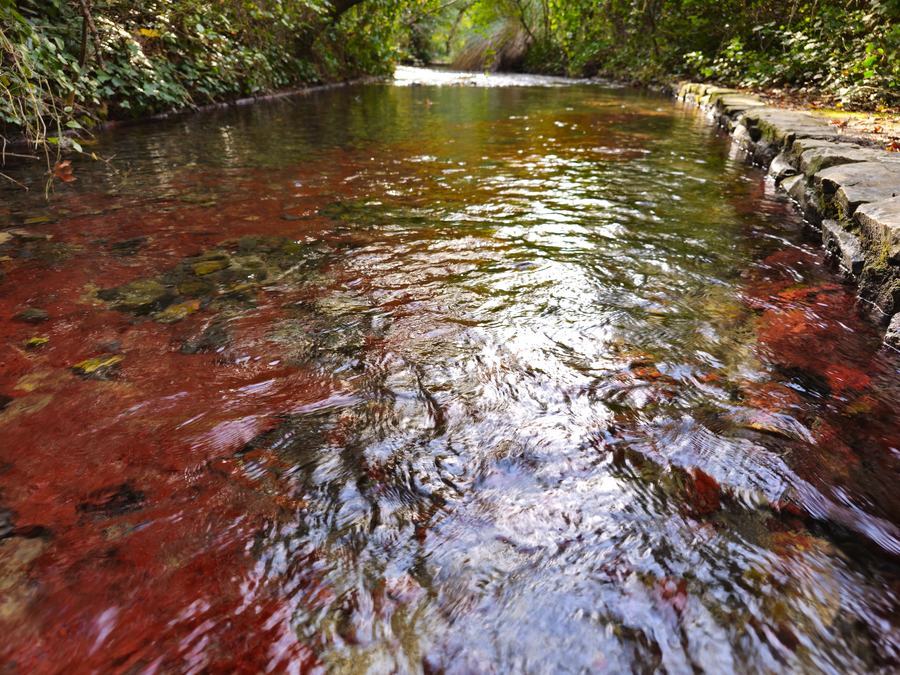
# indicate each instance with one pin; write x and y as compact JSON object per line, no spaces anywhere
{"x":393,"y":378}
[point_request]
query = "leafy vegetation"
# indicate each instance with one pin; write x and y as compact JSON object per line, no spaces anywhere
{"x":69,"y":63}
{"x":847,"y":49}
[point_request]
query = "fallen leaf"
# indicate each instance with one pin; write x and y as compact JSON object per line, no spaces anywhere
{"x":63,"y":171}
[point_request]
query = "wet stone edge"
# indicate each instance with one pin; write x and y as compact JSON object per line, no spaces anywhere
{"x":847,"y":189}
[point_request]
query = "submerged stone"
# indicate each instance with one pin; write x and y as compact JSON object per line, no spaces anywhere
{"x":177,"y":312}
{"x":36,"y":341}
{"x":128,"y":247}
{"x":194,"y":287}
{"x":23,"y":406}
{"x":142,"y":296}
{"x":28,"y":235}
{"x":6,"y":523}
{"x":218,"y":278}
{"x":213,"y":338}
{"x":112,"y":501}
{"x":205,"y":267}
{"x":99,"y":367}
{"x":341,"y":304}
{"x":16,"y":556}
{"x":32,"y":315}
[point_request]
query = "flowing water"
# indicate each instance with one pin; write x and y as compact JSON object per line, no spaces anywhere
{"x":528,"y":376}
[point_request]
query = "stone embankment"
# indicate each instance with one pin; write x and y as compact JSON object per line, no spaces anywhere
{"x":848,"y":191}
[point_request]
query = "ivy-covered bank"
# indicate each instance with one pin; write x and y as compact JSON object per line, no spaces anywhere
{"x":848,"y":191}
{"x":67,"y":64}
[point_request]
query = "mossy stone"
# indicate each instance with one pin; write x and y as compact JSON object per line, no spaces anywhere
{"x":205,"y":267}
{"x":99,"y":367}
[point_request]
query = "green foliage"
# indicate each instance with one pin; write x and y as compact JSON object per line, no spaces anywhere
{"x":65,"y":64}
{"x":851,"y":54}
{"x":849,"y":49}
{"x":64,"y":69}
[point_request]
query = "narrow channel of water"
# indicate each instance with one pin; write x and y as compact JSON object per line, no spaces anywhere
{"x":525,"y":378}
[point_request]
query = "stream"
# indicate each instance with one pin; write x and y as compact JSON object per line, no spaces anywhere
{"x":459,"y":373}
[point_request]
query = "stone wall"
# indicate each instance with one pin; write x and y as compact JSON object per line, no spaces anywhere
{"x":848,"y":191}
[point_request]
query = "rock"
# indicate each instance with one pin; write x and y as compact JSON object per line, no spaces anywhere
{"x":801,"y":145}
{"x":783,"y":127}
{"x":128,"y":247}
{"x":25,"y":405}
{"x":36,"y":342}
{"x":39,"y":220}
{"x":845,"y":246}
{"x":32,"y":315}
{"x":774,"y":424}
{"x":853,"y":186}
{"x":800,"y":191}
{"x":732,"y":105}
{"x":174,"y":313}
{"x":827,"y":154}
{"x":193,"y":287}
{"x":16,"y":556}
{"x":142,"y":296}
{"x":110,"y":346}
{"x":849,"y":185}
{"x":6,"y":523}
{"x":112,"y":501}
{"x":213,"y":338}
{"x":712,"y":94}
{"x":741,"y":136}
{"x":790,"y":183}
{"x":250,"y":244}
{"x":880,"y":221}
{"x":98,"y":368}
{"x":892,"y":336}
{"x":28,"y":235}
{"x":693,"y":91}
{"x":341,"y":304}
{"x":205,"y":267}
{"x":879,"y":283}
{"x":781,"y":167}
